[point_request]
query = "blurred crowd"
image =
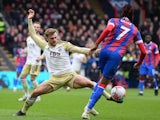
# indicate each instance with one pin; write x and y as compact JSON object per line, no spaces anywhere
{"x":151,"y":24}
{"x":75,"y":21}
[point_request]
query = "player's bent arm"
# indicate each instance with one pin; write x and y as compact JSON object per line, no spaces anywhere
{"x":84,"y":59}
{"x":156,"y":53}
{"x":142,"y":54}
{"x":38,"y":40}
{"x":42,"y":56}
{"x":24,"y":51}
{"x":72,"y":48}
{"x":157,"y":60}
{"x":138,"y":40}
{"x":105,"y":32}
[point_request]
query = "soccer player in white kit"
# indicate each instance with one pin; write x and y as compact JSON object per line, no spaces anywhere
{"x":32,"y":66}
{"x":58,"y":63}
{"x":77,"y":60}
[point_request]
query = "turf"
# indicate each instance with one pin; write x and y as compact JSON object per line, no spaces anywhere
{"x":62,"y":105}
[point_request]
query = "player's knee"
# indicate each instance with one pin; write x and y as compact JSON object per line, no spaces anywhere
{"x":35,"y":93}
{"x":22,"y":77}
{"x":33,"y":77}
{"x":90,"y":84}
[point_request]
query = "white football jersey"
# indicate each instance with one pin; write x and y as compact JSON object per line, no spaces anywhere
{"x":33,"y":52}
{"x":77,"y":59}
{"x":57,"y":59}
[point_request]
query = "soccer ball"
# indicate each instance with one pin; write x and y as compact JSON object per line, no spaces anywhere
{"x":118,"y":93}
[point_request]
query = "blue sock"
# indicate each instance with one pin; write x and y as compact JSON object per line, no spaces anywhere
{"x":94,"y":89}
{"x":155,"y":85}
{"x":141,"y":85}
{"x":96,"y":94}
{"x":15,"y":82}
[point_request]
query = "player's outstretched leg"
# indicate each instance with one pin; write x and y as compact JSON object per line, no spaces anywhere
{"x":19,"y":113}
{"x":28,"y":103}
{"x":86,"y":112}
{"x":26,"y":90}
{"x":96,"y":94}
{"x":141,"y":87}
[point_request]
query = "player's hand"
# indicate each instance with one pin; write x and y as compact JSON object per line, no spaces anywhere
{"x":31,"y":13}
{"x":156,"y":67}
{"x":159,"y":75}
{"x":38,"y":59}
{"x":93,"y":49}
{"x":97,"y":51}
{"x":136,"y":66}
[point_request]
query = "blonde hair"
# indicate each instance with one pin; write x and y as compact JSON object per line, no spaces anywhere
{"x":50,"y":31}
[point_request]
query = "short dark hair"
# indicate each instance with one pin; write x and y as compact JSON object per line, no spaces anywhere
{"x":127,"y":11}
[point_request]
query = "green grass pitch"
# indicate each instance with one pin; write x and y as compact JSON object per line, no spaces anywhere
{"x":62,"y":105}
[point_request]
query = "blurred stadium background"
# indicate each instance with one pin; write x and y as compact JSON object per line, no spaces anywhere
{"x":79,"y":22}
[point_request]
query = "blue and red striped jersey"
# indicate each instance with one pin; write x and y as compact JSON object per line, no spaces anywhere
{"x":152,"y":53}
{"x":123,"y":33}
{"x":21,"y":57}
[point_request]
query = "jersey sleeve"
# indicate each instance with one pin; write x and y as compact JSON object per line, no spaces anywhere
{"x":75,"y":49}
{"x":17,"y":60}
{"x":37,"y":38}
{"x":138,"y":38}
{"x":111,"y":22}
{"x":156,"y":51}
{"x":110,"y":26}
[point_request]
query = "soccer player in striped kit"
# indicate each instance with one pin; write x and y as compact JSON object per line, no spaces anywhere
{"x":20,"y":62}
{"x":148,"y":65}
{"x":116,"y":37}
